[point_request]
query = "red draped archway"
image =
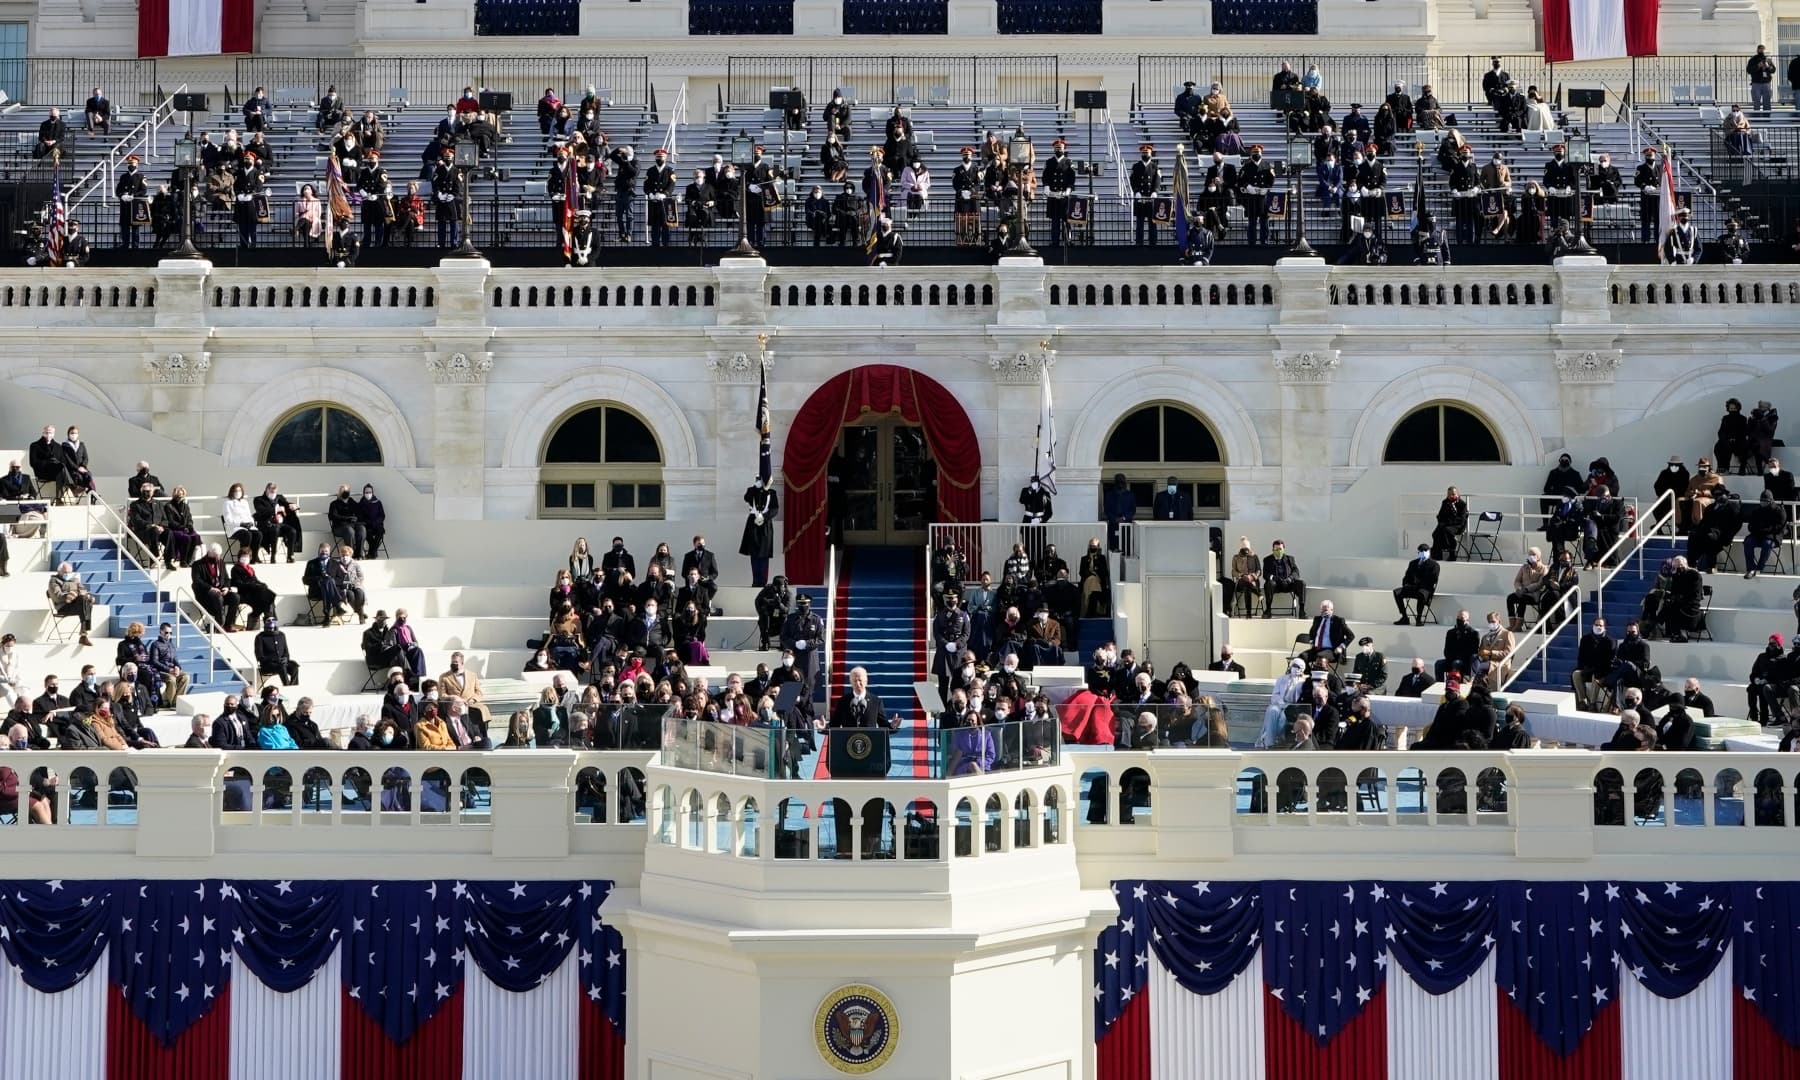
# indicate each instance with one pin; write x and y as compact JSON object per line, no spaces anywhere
{"x":878,"y":389}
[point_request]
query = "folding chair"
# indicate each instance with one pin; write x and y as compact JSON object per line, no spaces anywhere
{"x":54,"y":629}
{"x":376,"y":681}
{"x":315,"y":614}
{"x":1703,"y":630}
{"x":1483,"y":541}
{"x":1425,"y":612}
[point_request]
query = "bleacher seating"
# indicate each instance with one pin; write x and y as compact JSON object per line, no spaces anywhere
{"x":527,"y":18}
{"x":741,"y":16}
{"x":1265,"y":16}
{"x":896,"y":16}
{"x":1049,"y":16}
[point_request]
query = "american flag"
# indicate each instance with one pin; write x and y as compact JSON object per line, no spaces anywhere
{"x":1428,"y":979}
{"x":58,"y":230}
{"x":337,"y":197}
{"x":571,"y":201}
{"x":765,"y":465}
{"x":351,"y":979}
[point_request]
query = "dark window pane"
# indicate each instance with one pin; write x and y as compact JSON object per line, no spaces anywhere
{"x":348,"y":441}
{"x":1466,"y":438}
{"x":556,"y":496}
{"x":623,"y":496}
{"x":297,"y":441}
{"x":1136,"y":438}
{"x":577,"y":440}
{"x":1208,"y":497}
{"x":649,"y":496}
{"x":1185,"y":438}
{"x":581,"y":496}
{"x":1415,"y":439}
{"x":628,"y":440}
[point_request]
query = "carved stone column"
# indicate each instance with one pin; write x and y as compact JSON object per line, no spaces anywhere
{"x":1585,"y":396}
{"x":1305,"y":376}
{"x":176,"y":367}
{"x":1018,"y":367}
{"x":737,"y":366}
{"x":459,"y":426}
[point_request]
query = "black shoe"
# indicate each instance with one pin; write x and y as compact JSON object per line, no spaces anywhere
{"x":1401,"y":621}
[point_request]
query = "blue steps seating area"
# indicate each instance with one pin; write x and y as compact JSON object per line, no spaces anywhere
{"x":132,"y":596}
{"x":896,"y":16}
{"x":881,"y":627}
{"x":1624,"y":600}
{"x":1049,"y":16}
{"x":1090,"y":635}
{"x":740,"y":16}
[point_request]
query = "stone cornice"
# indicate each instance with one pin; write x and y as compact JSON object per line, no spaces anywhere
{"x":178,"y":369}
{"x":1593,"y":366}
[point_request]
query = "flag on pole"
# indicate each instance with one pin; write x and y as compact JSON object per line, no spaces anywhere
{"x":1557,"y":980}
{"x":334,"y":980}
{"x":1665,"y":205}
{"x":1418,"y":198}
{"x":1599,"y":29}
{"x":195,"y":27}
{"x":571,"y":195}
{"x":58,"y":231}
{"x":1044,"y":457}
{"x":1181,"y":201}
{"x":765,"y":468}
{"x":337,"y":195}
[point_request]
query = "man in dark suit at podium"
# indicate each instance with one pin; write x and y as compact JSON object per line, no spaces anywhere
{"x":858,"y":709}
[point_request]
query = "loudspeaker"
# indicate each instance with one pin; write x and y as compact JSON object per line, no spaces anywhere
{"x":191,"y":103}
{"x":1090,"y":99}
{"x":495,"y":101}
{"x":1287,"y":100}
{"x":783,"y":100}
{"x":1587,"y":99}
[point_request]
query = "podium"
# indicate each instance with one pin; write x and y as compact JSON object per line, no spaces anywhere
{"x":858,"y":753}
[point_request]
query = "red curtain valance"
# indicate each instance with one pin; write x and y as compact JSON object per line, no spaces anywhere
{"x":875,"y":390}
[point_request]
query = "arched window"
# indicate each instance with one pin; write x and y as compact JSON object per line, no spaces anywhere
{"x":601,"y":460}
{"x":1163,"y":439}
{"x":1443,"y":433}
{"x":321,"y":434}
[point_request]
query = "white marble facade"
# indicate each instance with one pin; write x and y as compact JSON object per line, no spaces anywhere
{"x":462,"y":371}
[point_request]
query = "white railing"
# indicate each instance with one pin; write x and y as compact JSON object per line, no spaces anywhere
{"x":1526,"y":514}
{"x":677,"y":120}
{"x":140,"y":140}
{"x":1117,"y":158}
{"x":823,"y":675}
{"x":243,"y":664}
{"x":1611,"y":561}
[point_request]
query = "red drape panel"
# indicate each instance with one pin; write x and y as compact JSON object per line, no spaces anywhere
{"x":1359,"y":1052}
{"x":1123,"y":1053}
{"x":874,"y":391}
{"x":153,"y":28}
{"x":202,"y":1052}
{"x":1758,"y":1051}
{"x":1640,"y":26}
{"x":433,"y":1052}
{"x":1559,"y":41}
{"x":602,"y":1055}
{"x":1523,"y":1056}
{"x":237,"y":26}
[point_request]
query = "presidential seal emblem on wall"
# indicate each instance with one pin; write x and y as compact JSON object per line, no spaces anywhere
{"x":856,"y":1029}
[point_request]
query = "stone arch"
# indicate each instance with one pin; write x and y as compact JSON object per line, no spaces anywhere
{"x":1211,"y":400}
{"x":532,"y":422}
{"x":68,"y":386}
{"x":260,"y":411}
{"x":1506,"y":414}
{"x":1713,"y":380}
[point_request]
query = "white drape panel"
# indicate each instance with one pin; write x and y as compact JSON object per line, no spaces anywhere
{"x":1681,"y":1039}
{"x":1437,"y":1035}
{"x":1206,"y":1037}
{"x":1597,"y":28}
{"x":297,"y":1036}
{"x":53,"y":1036}
{"x":535,"y":1034}
{"x":194,"y":27}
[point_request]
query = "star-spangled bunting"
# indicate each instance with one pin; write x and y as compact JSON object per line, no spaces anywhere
{"x":173,"y":944}
{"x":1561,"y":948}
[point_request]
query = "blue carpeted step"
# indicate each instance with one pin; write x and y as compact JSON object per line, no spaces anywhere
{"x":881,"y":624}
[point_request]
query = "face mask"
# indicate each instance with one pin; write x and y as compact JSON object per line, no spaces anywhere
{"x":1171,"y":489}
{"x":1368,"y":650}
{"x":1532,"y":559}
{"x":650,"y":612}
{"x":1034,"y":485}
{"x":387,"y":738}
{"x":787,"y":661}
{"x":1599,"y":629}
{"x":69,"y":576}
{"x":968,"y":670}
{"x":1146,"y":157}
{"x":88,"y":680}
{"x":1493,"y":624}
{"x":1010,"y":668}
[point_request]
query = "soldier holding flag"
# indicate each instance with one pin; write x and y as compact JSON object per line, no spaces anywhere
{"x":758,"y":542}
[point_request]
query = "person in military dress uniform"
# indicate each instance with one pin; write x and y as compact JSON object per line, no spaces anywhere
{"x":1681,"y":247}
{"x":1371,"y":182}
{"x":1559,"y":185}
{"x":377,"y":211}
{"x":1465,"y":195}
{"x":446,"y":199}
{"x":659,"y":192}
{"x":967,"y":182}
{"x":1648,"y":181}
{"x":758,"y":542}
{"x":1255,"y":179}
{"x":134,"y":203}
{"x":759,"y":178}
{"x":247,"y":186}
{"x":1146,"y":181}
{"x":1059,"y":182}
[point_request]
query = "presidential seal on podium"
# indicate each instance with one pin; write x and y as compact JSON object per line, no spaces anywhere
{"x":856,"y":1029}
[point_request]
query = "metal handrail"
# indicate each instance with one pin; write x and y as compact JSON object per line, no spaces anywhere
{"x":1114,"y":155}
{"x":677,"y":120}
{"x":1527,"y":507}
{"x":141,"y":138}
{"x":244,"y":666}
{"x":825,"y":657}
{"x":1642,"y":536}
